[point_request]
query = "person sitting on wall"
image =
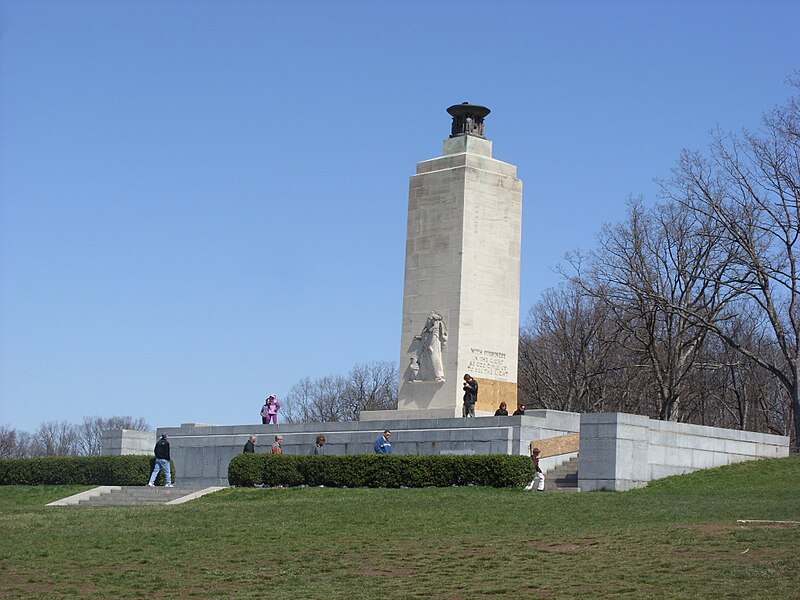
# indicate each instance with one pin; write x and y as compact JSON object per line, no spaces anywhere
{"x":502,"y":411}
{"x":520,"y":410}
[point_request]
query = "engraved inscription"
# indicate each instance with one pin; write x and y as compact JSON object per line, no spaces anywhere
{"x":488,"y":362}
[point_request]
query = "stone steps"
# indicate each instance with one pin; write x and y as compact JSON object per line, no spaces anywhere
{"x":136,"y":495}
{"x":563,"y":478}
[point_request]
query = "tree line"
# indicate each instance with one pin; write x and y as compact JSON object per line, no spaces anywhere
{"x":689,"y":309}
{"x":370,"y":386}
{"x":61,"y":438}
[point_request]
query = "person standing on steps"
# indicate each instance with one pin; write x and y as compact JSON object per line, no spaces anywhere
{"x":539,"y":475}
{"x":161,"y":451}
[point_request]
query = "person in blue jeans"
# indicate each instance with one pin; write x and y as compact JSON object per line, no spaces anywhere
{"x":382,"y":444}
{"x":162,"y":461}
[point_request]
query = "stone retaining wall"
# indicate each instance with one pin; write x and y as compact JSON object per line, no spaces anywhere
{"x":617,"y":451}
{"x":621,"y":451}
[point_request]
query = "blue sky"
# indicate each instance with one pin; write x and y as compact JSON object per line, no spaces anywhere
{"x":204,"y":202}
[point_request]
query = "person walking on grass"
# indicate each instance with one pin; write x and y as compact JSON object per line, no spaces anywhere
{"x":161,"y":451}
{"x":539,"y":476}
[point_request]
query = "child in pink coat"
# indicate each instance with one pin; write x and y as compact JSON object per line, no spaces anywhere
{"x":270,"y":409}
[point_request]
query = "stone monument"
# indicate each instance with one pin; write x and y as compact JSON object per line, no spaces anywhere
{"x":461,"y":299}
{"x":461,"y":315}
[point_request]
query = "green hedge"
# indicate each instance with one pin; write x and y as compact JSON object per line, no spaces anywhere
{"x":372,"y":470}
{"x":80,"y":470}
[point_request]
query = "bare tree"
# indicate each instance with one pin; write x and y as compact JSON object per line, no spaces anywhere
{"x":564,"y":354}
{"x":90,"y":432}
{"x":24,"y":447}
{"x":372,"y":386}
{"x":317,"y":401}
{"x":650,"y":270}
{"x":749,"y":190}
{"x":55,"y":438}
{"x":8,"y":441}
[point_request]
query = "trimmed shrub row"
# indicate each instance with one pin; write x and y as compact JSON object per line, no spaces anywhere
{"x":79,"y":470}
{"x":372,"y":470}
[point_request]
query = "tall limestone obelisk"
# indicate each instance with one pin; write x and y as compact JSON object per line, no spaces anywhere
{"x":461,"y":300}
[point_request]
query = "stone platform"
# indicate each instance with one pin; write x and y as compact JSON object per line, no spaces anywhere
{"x":201,"y":453}
{"x":618,"y":451}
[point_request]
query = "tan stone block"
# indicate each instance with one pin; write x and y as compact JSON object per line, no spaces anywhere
{"x":555,"y":446}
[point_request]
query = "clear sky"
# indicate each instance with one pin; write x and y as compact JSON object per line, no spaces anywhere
{"x":204,"y":202}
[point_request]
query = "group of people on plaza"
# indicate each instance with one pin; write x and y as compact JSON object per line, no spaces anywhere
{"x":383,"y":445}
{"x":470,"y":388}
{"x":503,"y":410}
{"x":277,"y":445}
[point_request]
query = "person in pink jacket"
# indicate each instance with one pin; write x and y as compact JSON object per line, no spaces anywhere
{"x":270,"y":409}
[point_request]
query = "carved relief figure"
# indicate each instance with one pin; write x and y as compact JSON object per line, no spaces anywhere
{"x":412,"y":372}
{"x":429,"y":346}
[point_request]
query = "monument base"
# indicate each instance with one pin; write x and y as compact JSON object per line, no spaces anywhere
{"x":407,"y":414}
{"x":618,"y":451}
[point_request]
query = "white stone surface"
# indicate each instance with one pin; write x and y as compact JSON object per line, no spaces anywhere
{"x":462,"y":261}
{"x":620,"y":451}
{"x":76,"y":498}
{"x":115,"y":442}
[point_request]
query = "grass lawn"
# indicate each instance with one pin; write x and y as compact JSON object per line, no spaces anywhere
{"x":677,"y":538}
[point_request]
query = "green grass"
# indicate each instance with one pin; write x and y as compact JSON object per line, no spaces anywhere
{"x":678,"y":538}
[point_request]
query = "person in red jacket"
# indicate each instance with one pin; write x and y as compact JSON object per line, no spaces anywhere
{"x":539,"y":475}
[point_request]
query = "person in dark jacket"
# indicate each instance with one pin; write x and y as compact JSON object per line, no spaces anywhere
{"x":470,"y":396}
{"x":250,"y":446}
{"x":520,"y":410}
{"x":502,"y":411}
{"x":161,"y":451}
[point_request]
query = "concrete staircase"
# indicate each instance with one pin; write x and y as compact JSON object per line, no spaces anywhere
{"x":135,"y":495}
{"x":564,"y":478}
